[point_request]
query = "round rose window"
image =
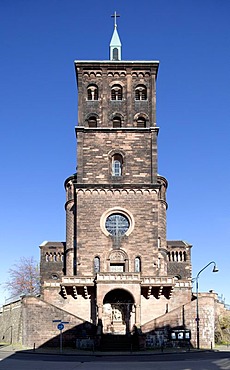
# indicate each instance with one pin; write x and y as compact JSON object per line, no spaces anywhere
{"x":117,"y":224}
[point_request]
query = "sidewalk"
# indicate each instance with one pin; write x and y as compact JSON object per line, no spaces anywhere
{"x":74,"y":352}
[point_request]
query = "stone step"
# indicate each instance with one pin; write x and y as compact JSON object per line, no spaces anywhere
{"x":110,"y":342}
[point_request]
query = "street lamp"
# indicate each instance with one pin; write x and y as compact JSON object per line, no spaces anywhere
{"x":215,"y":269}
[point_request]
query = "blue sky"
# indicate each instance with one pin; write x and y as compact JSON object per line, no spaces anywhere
{"x":38,"y":112}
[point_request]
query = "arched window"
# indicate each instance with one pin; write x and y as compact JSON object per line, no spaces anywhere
{"x":169,"y":256}
{"x":141,"y":122}
{"x":116,"y":92}
{"x":137,"y":264}
{"x":116,"y":121}
{"x":185,"y":257}
{"x":115,"y":54}
{"x":92,"y":92}
{"x":92,"y":121}
{"x":158,"y":242}
{"x":117,"y":162}
{"x":141,"y":92}
{"x":96,"y":264}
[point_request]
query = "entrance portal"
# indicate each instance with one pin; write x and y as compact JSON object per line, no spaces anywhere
{"x":118,"y":312}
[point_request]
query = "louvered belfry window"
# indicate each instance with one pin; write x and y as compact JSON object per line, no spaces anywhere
{"x":92,"y":121}
{"x":116,"y":121}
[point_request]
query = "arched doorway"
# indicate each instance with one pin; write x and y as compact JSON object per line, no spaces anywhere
{"x":118,"y":312}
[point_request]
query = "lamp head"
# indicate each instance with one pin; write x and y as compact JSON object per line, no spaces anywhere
{"x":215,"y":269}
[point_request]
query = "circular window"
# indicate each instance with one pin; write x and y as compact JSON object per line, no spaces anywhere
{"x":117,"y":224}
{"x":117,"y":221}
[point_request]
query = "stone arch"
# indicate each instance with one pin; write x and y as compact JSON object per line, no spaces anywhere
{"x":118,"y":261}
{"x":117,"y":82}
{"x":118,"y":311}
{"x":92,"y":119}
{"x":119,"y":295}
{"x":141,"y":116}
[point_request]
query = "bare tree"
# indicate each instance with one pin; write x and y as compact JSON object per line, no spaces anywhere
{"x":24,"y":277}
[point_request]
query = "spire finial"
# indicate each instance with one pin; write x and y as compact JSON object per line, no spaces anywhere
{"x":115,"y":16}
{"x":115,"y":43}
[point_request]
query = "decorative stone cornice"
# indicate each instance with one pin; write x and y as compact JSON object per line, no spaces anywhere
{"x":102,"y":190}
{"x":113,"y":129}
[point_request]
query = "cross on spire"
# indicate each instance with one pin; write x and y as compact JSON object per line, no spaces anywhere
{"x":115,"y":16}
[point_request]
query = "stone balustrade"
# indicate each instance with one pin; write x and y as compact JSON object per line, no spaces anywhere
{"x":114,"y":276}
{"x":78,"y":281}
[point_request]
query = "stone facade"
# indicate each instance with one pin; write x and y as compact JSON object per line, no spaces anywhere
{"x":116,"y":271}
{"x":29,"y":322}
{"x":116,"y":268}
{"x":11,"y":322}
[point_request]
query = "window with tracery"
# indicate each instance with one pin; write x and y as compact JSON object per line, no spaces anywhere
{"x":141,"y":92}
{"x":116,"y":92}
{"x":117,"y":224}
{"x":92,"y":92}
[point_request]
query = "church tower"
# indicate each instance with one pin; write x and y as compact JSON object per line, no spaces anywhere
{"x":118,"y":268}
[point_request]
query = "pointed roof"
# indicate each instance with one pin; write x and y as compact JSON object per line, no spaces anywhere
{"x":115,"y":40}
{"x":115,"y":43}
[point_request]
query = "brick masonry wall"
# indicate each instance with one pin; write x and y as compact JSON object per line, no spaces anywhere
{"x":185,"y":315}
{"x":11,"y":323}
{"x":39,"y":329}
{"x":153,"y":308}
{"x":94,"y":163}
{"x":126,"y":74}
{"x":91,"y":241}
{"x":81,"y":307}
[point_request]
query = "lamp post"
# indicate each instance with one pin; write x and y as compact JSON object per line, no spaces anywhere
{"x":215,"y":269}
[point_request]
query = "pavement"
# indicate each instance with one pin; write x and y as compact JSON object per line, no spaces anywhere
{"x":72,"y":351}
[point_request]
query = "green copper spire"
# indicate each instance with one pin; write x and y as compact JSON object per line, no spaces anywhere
{"x":115,"y":43}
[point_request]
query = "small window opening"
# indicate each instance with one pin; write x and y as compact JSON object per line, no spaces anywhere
{"x":116,"y":122}
{"x":92,"y":121}
{"x":96,"y":264}
{"x":92,"y":92}
{"x":137,"y":264}
{"x":117,"y":161}
{"x":115,"y":54}
{"x":141,"y":93}
{"x":159,"y":242}
{"x":116,"y":92}
{"x":185,"y":257}
{"x":141,"y":122}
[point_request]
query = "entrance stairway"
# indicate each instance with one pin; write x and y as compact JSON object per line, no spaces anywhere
{"x":110,"y":342}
